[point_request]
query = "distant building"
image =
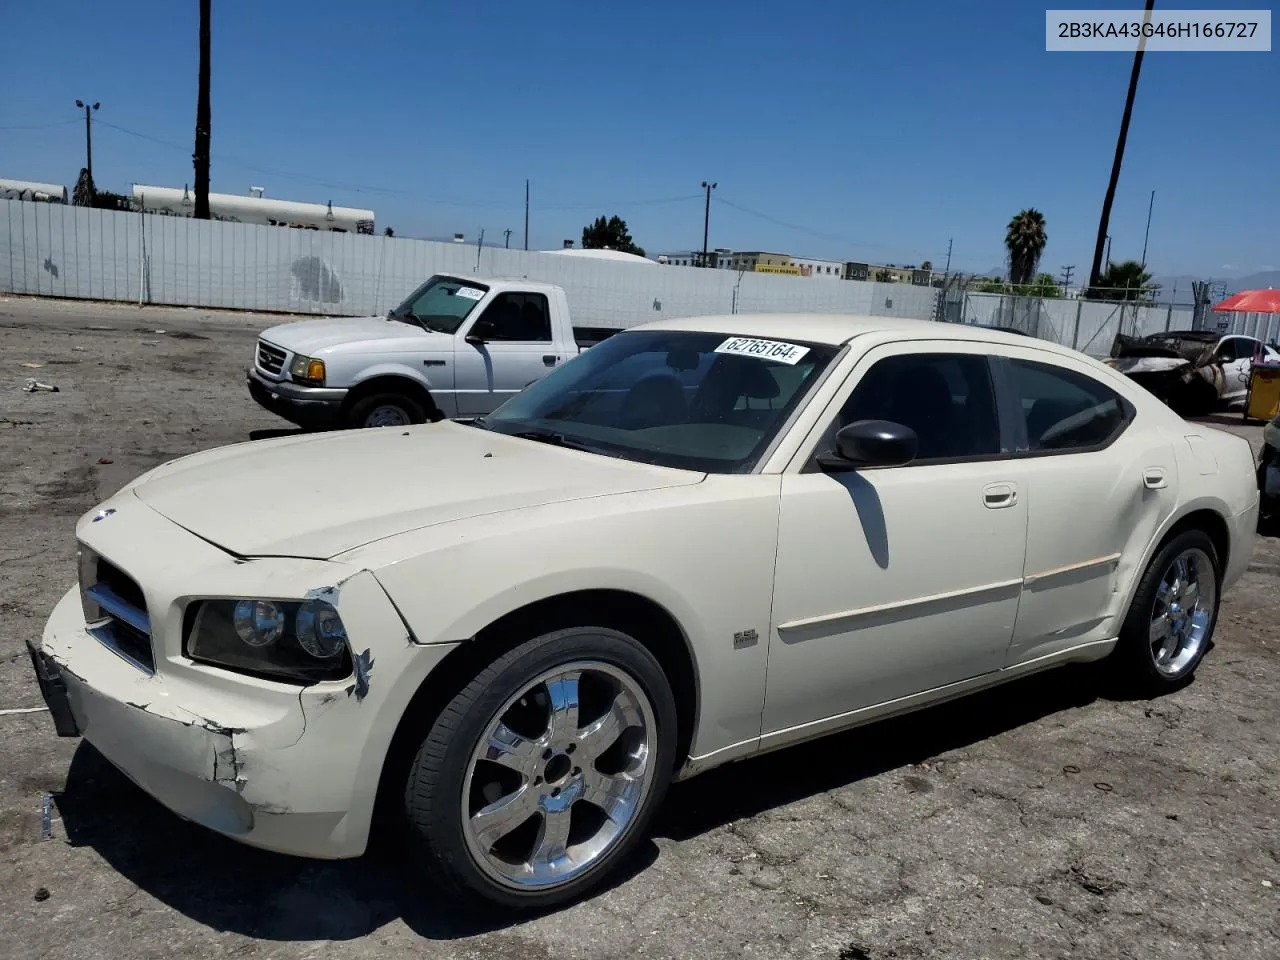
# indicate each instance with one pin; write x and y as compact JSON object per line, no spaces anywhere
{"x":170,"y":201}
{"x":31,"y":190}
{"x":825,"y":269}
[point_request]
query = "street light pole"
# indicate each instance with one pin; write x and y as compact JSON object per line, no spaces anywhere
{"x":706,"y":220}
{"x":88,"y":137}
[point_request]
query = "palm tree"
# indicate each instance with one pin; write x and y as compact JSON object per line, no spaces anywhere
{"x":1025,"y":239}
{"x":201,"y":155}
{"x":1123,"y":280}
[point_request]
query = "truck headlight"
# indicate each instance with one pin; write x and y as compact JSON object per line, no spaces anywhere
{"x":303,"y":641}
{"x":307,"y":370}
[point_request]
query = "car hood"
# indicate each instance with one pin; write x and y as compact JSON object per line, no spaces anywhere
{"x":309,"y":337}
{"x":320,"y":495}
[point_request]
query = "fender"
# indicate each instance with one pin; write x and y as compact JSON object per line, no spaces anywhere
{"x":1216,"y":504}
{"x":394,"y":369}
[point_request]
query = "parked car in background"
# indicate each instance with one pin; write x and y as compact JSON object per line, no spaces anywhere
{"x":454,"y":349}
{"x":1269,"y":471}
{"x":1194,"y":371}
{"x":698,"y":540}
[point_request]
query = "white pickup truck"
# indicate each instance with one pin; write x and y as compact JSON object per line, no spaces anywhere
{"x":455,"y":349}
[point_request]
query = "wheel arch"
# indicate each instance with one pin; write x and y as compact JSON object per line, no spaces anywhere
{"x":1201,"y":515}
{"x":647,"y":621}
{"x":397,"y":383}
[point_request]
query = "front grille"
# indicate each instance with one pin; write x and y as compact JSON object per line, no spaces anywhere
{"x":115,"y":610}
{"x":270,"y":359}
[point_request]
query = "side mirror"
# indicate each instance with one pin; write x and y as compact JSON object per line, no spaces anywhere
{"x":870,"y":443}
{"x":481,"y":331}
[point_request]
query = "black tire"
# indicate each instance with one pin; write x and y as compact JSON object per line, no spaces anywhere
{"x":438,"y":776}
{"x":360,"y":411}
{"x":1135,"y":672}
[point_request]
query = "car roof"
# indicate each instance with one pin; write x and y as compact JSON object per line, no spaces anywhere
{"x":837,"y":329}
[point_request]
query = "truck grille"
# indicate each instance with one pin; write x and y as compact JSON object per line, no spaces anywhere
{"x":115,"y":611}
{"x":270,"y":359}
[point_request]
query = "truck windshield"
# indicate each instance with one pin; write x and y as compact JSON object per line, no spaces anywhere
{"x":695,"y":401}
{"x":440,"y":304}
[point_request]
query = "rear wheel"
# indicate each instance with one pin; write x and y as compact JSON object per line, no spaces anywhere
{"x":385,"y":410}
{"x":1170,"y":624}
{"x":544,"y":771}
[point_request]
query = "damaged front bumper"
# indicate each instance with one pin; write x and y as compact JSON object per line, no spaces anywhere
{"x":281,"y":766}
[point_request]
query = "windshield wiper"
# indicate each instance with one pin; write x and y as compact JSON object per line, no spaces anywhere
{"x":403,"y":318}
{"x":553,"y":438}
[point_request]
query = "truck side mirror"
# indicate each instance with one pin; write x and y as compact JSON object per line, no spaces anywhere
{"x":481,"y":331}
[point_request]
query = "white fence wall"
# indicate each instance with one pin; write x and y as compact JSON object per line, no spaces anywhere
{"x":67,"y":251}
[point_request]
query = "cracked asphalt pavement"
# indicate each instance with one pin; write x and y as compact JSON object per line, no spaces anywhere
{"x":1039,"y":820}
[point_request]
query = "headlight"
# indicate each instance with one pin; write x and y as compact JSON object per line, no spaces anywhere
{"x":307,"y":370}
{"x":293,"y":640}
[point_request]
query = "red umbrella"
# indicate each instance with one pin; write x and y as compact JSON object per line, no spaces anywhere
{"x":1251,"y":301}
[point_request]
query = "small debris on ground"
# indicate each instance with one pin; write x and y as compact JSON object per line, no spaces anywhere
{"x":42,"y":894}
{"x":102,"y":461}
{"x":35,"y":386}
{"x":33,"y":366}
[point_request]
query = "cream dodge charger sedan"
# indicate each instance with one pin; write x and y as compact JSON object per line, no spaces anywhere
{"x":697,"y":541}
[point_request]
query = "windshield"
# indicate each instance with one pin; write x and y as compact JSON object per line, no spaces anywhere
{"x":697,"y":401}
{"x":440,"y":304}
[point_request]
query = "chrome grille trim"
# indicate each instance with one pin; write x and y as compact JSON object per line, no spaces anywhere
{"x":271,"y":359}
{"x":115,"y":620}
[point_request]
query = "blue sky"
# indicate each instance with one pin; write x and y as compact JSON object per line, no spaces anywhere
{"x":881,"y":130}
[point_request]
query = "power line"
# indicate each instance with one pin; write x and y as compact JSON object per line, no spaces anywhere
{"x":399,"y":192}
{"x":801,"y":229}
{"x":39,"y":126}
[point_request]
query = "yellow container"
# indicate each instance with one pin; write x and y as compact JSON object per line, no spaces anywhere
{"x":1263,"y":399}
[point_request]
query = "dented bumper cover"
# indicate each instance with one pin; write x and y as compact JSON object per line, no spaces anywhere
{"x":275,"y":765}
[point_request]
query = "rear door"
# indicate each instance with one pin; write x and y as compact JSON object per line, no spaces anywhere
{"x":517,"y":350}
{"x":1098,"y":486}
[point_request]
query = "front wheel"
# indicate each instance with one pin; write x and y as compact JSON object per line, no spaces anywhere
{"x":544,"y":771}
{"x":385,"y":410}
{"x":1170,"y":624}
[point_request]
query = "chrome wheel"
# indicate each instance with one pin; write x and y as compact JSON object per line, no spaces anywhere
{"x":559,"y":775}
{"x":387,"y":415}
{"x":1182,"y":612}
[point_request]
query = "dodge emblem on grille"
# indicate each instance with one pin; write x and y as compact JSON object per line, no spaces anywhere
{"x":103,"y":514}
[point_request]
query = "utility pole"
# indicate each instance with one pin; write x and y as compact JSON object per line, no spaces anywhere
{"x":506,"y":239}
{"x":1066,"y":277}
{"x":947,"y":269}
{"x":1105,"y":220}
{"x":1146,"y":235}
{"x":200,"y":157}
{"x":526,"y":214}
{"x":706,"y":219}
{"x":88,"y":139}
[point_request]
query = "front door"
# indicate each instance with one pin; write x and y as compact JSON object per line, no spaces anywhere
{"x":518,"y":349}
{"x":894,"y":581}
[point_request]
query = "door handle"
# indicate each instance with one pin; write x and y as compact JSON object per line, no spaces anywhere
{"x":997,"y":495}
{"x":549,"y":359}
{"x":1153,"y":478}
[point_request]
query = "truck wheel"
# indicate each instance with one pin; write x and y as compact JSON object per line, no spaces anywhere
{"x":1170,"y":624}
{"x":385,"y":410}
{"x":540,"y":776}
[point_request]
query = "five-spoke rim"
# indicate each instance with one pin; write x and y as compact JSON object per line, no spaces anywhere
{"x":1182,"y":611}
{"x":559,"y":775}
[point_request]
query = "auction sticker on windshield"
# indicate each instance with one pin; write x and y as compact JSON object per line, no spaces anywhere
{"x":471,"y":293}
{"x":776,"y":350}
